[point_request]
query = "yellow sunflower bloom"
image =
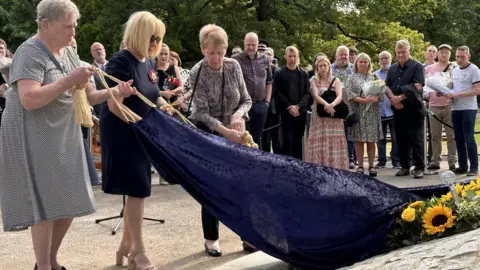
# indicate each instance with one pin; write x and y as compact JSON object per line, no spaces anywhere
{"x":471,"y":186}
{"x":459,"y":189}
{"x":408,"y":214}
{"x":477,"y":192}
{"x":447,"y":197}
{"x":417,"y":204}
{"x":437,"y":218}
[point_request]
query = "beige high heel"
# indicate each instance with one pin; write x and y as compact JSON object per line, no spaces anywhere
{"x":132,"y":264}
{"x":122,"y":253}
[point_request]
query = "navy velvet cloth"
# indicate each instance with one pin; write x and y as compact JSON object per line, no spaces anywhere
{"x":304,"y":214}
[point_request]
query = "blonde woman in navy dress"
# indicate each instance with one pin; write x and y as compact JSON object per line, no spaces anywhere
{"x":125,"y":164}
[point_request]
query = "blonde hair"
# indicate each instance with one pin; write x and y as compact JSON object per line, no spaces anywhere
{"x":403,"y":43}
{"x":213,"y":34}
{"x":363,"y":56}
{"x":140,"y":27}
{"x":53,"y":10}
{"x":323,"y":57}
{"x":291,"y":49}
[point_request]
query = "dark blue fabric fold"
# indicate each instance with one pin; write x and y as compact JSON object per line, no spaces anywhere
{"x":308,"y":215}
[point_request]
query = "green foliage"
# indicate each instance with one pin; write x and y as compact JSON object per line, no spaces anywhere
{"x":312,"y":25}
{"x":465,"y":216}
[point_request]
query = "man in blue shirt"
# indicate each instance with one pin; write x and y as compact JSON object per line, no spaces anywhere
{"x":387,"y":119}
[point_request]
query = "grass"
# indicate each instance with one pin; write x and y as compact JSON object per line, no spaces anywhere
{"x":444,"y":143}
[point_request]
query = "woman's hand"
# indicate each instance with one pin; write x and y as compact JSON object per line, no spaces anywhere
{"x":234,"y":136}
{"x":329,"y":109}
{"x":80,"y":75}
{"x":237,"y":123}
{"x":371,"y":99}
{"x":168,"y":94}
{"x":124,"y":89}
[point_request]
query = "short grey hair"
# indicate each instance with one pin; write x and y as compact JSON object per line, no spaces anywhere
{"x":53,"y":10}
{"x":464,"y":49}
{"x":342,"y":48}
{"x":387,"y":53}
{"x":403,"y":43}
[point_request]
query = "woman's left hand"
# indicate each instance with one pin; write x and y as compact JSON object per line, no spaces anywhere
{"x":237,"y":123}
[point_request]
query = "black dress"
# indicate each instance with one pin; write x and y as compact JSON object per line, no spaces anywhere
{"x":126,"y":167}
{"x":2,"y":99}
{"x":162,"y":76}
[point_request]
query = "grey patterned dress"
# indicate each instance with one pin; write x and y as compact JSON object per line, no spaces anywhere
{"x":207,"y":102}
{"x":369,"y":128}
{"x":43,"y":169}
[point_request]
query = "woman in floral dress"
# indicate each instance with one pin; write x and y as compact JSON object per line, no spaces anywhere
{"x":326,"y":143}
{"x":368,"y":130}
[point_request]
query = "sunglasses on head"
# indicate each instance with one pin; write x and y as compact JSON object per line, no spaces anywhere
{"x":154,"y":38}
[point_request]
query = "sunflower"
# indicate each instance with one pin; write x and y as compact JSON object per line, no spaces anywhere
{"x":437,"y":218}
{"x":459,"y":189}
{"x":447,"y":197}
{"x":417,"y":204}
{"x":408,"y":214}
{"x":471,"y":186}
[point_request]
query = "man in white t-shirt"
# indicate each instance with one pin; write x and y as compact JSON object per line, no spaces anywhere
{"x":466,"y":88}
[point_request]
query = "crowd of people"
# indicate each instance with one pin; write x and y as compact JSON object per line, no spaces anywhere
{"x":320,"y":116}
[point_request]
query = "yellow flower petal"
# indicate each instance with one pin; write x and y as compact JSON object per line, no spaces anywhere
{"x":437,"y":219}
{"x":408,"y":214}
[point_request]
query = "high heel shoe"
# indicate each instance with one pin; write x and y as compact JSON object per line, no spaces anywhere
{"x":132,"y":264}
{"x":36,"y":268}
{"x":122,"y":253}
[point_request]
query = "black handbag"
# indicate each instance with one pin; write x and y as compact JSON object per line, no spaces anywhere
{"x":341,"y":109}
{"x":353,"y":117}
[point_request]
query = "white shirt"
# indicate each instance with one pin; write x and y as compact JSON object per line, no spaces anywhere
{"x":463,"y":80}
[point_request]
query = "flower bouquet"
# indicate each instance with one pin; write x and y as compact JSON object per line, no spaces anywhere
{"x":373,"y":88}
{"x":171,"y":83}
{"x":440,"y":82}
{"x":455,"y":212}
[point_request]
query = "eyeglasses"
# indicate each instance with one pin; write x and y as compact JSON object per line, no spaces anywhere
{"x":154,"y":38}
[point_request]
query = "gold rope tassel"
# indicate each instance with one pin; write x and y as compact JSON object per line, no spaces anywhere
{"x":83,"y":113}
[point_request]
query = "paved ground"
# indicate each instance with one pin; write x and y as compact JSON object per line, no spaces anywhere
{"x":177,"y":244}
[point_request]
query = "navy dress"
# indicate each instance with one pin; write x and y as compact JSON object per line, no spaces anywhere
{"x":126,"y":167}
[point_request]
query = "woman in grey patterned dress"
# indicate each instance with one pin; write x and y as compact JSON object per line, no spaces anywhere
{"x":44,"y":179}
{"x":221,"y":102}
{"x":368,"y":130}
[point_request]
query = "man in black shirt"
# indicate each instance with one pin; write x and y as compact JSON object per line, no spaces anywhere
{"x":292,"y":92}
{"x":405,"y":80}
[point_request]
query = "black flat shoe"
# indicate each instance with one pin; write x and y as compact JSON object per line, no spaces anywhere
{"x":212,"y":252}
{"x":372,"y":172}
{"x":249,"y":248}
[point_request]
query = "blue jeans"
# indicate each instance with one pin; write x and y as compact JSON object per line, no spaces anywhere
{"x":463,"y":128}
{"x":258,"y":117}
{"x":382,"y":144}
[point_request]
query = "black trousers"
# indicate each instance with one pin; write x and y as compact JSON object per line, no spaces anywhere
{"x":210,"y":223}
{"x":271,"y":137}
{"x":409,"y":132}
{"x":293,"y":129}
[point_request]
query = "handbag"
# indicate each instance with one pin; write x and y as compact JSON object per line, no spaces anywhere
{"x":353,"y":117}
{"x":341,"y":109}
